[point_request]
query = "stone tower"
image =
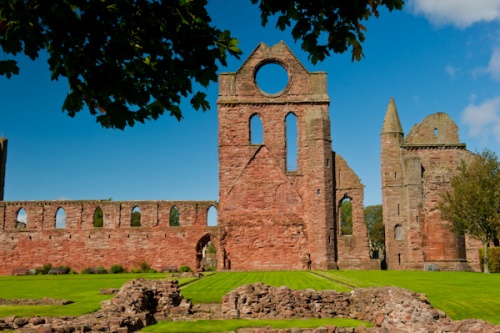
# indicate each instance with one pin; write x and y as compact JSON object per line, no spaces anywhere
{"x":3,"y":163}
{"x":416,"y":170}
{"x":272,"y":217}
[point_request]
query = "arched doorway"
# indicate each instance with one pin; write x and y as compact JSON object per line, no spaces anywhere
{"x":206,"y":253}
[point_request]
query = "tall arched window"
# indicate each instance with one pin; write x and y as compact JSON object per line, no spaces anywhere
{"x":21,"y":219}
{"x":256,"y":130}
{"x":174,"y":217}
{"x":345,"y":216}
{"x":135,"y":220}
{"x":212,"y":216}
{"x":291,"y":142}
{"x":60,"y":218}
{"x":98,"y":218}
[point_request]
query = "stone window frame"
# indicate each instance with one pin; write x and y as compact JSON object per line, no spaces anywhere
{"x":60,"y":208}
{"x":132,"y":214}
{"x":297,"y":140}
{"x":216,"y":216}
{"x":178,"y":216}
{"x":94,"y":217}
{"x":345,"y":197}
{"x":250,"y":137}
{"x":20,"y":224}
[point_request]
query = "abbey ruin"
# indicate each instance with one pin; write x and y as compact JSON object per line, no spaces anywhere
{"x":271,"y":216}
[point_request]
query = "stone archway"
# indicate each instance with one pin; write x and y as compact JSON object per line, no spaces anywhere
{"x":206,"y":253}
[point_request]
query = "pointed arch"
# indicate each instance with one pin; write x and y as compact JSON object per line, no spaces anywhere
{"x":98,"y":221}
{"x":21,"y":218}
{"x":256,"y":130}
{"x":212,"y":216}
{"x":345,"y":216}
{"x":135,"y":218}
{"x":174,"y":220}
{"x":292,"y":141}
{"x":60,"y":218}
{"x":206,"y":253}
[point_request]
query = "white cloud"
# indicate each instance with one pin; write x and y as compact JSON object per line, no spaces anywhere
{"x":494,"y":64}
{"x":483,"y":120}
{"x":452,"y":71}
{"x":460,"y":13}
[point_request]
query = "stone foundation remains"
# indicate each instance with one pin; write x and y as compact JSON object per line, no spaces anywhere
{"x":389,"y":309}
{"x":143,"y":302}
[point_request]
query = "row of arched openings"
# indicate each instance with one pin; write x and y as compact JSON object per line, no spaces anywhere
{"x":98,"y":218}
{"x":256,"y":135}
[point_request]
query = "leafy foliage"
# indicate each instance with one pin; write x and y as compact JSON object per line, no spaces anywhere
{"x":339,"y":20}
{"x":132,"y":61}
{"x":493,"y":259}
{"x":116,"y":269}
{"x":184,"y":269}
{"x":98,"y":218}
{"x":135,"y":220}
{"x":128,"y":61}
{"x":346,"y":217}
{"x":473,"y":205}
{"x":375,"y":227}
{"x":174,"y":217}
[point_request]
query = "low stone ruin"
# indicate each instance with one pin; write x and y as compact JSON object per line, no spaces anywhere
{"x":139,"y":303}
{"x":144,"y":302}
{"x":389,"y":309}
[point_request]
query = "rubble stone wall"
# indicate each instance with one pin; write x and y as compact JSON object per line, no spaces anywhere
{"x":388,"y":309}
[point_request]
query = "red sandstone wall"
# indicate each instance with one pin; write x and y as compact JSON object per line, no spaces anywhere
{"x":415,"y":173}
{"x":80,"y":245}
{"x":273,"y":218}
{"x":352,"y":250}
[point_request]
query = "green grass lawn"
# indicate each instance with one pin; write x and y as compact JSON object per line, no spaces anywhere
{"x":211,"y":289}
{"x":83,"y":290}
{"x":461,"y":295}
{"x":206,"y":326}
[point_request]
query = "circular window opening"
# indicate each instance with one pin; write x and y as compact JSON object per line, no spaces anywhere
{"x":271,"y":78}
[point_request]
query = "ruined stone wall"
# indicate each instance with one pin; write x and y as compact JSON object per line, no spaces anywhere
{"x":80,"y":245}
{"x":352,"y":250}
{"x":271,"y":216}
{"x":274,"y":218}
{"x":416,"y":171}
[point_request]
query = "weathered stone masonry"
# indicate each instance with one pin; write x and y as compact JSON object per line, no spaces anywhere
{"x":268,"y":217}
{"x":271,"y":217}
{"x":416,"y":170}
{"x":82,"y":245}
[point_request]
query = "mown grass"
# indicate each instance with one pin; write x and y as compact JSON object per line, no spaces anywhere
{"x":461,"y":295}
{"x":83,"y":290}
{"x":211,"y":289}
{"x":205,"y":326}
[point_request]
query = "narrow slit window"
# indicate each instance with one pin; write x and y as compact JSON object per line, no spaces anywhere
{"x":291,"y":142}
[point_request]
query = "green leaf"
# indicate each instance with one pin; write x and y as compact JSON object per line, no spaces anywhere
{"x":8,"y":67}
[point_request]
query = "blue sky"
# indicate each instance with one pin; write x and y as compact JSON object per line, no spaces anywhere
{"x":434,"y":56}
